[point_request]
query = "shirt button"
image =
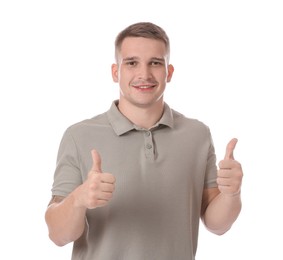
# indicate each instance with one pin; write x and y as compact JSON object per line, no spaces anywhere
{"x":148,"y":146}
{"x":147,"y":133}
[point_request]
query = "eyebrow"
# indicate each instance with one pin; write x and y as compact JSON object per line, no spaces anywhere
{"x":130,"y":58}
{"x":137,"y":58}
{"x":159,"y":59}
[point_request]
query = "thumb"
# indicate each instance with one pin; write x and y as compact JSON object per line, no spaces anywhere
{"x":96,"y":161}
{"x":230,"y":149}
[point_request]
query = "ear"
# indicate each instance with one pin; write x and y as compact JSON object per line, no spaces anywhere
{"x":114,"y":69}
{"x":170,"y":72}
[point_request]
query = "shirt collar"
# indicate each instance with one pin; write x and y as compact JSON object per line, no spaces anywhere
{"x":121,"y":124}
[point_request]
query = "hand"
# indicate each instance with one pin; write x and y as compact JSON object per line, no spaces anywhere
{"x":230,"y":174}
{"x":98,"y":188}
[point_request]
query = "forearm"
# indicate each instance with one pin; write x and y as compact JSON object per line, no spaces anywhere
{"x":222,"y":212}
{"x":65,"y":221}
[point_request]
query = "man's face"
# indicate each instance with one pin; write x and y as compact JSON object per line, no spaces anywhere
{"x":142,"y":71}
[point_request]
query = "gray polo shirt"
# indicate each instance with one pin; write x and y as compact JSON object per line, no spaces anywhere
{"x":160,"y":175}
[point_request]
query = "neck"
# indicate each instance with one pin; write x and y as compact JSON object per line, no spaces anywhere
{"x":144,"y":117}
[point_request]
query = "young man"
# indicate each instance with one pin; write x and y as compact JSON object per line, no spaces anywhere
{"x":133,"y":182}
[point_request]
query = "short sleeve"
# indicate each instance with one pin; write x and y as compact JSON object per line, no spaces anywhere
{"x":211,"y":169}
{"x":67,"y":174}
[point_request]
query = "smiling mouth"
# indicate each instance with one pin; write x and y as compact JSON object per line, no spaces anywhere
{"x":144,"y":86}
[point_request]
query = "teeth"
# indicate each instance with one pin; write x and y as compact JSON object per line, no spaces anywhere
{"x":145,"y":87}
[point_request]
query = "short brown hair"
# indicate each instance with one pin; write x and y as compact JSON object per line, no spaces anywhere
{"x":142,"y":29}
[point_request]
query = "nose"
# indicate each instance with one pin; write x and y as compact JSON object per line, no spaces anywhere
{"x":144,"y":72}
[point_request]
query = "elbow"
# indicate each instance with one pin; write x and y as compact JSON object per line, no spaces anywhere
{"x":58,"y":242}
{"x":58,"y":239}
{"x":218,"y":232}
{"x":216,"y":229}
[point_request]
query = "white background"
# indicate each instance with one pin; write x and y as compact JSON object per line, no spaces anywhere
{"x":55,"y":59}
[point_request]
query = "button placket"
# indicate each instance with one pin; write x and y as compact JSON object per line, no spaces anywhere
{"x":149,"y":147}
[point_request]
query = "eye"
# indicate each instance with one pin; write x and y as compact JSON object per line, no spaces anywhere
{"x":156,"y":63}
{"x":131,"y":63}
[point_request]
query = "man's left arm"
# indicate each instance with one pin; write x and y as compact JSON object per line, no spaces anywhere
{"x":221,"y":206}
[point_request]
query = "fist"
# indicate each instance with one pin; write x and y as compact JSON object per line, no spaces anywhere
{"x":98,"y":188}
{"x":230,"y":174}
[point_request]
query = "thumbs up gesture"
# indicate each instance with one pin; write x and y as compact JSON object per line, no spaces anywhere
{"x":98,"y":188}
{"x":230,"y":174}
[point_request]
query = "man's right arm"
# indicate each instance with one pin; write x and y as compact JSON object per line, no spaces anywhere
{"x":66,"y":217}
{"x":65,"y":220}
